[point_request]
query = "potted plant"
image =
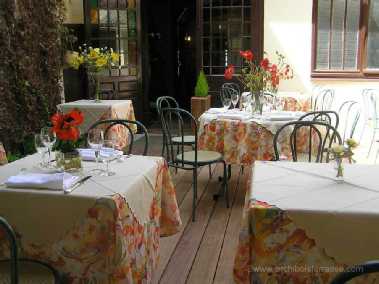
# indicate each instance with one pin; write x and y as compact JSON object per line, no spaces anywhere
{"x":201,"y":102}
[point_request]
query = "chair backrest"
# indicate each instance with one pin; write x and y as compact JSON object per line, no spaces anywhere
{"x":321,"y":135}
{"x":11,"y":237}
{"x":356,"y":271}
{"x":323,"y":100}
{"x":373,"y":108}
{"x":328,"y":116}
{"x":165,"y":102}
{"x":227,"y":92}
{"x":109,"y":123}
{"x":349,"y":114}
{"x":177,"y":124}
{"x":233,"y":86}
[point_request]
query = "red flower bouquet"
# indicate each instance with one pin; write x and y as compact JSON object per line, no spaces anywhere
{"x":65,"y":127}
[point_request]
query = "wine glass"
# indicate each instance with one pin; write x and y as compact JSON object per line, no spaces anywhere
{"x":95,"y":139}
{"x":41,"y":148}
{"x":245,"y":101}
{"x":279,"y":103}
{"x":48,"y":138}
{"x":235,"y":98}
{"x":108,"y":154}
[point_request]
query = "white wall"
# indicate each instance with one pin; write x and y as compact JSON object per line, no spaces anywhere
{"x":74,"y":12}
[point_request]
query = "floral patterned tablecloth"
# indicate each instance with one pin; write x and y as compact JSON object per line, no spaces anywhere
{"x":92,"y":234}
{"x":243,"y":142}
{"x":301,"y":226}
{"x":105,"y":109}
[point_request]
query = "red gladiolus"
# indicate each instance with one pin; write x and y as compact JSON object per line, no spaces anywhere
{"x":265,"y":63}
{"x":247,"y":54}
{"x":229,"y":72}
{"x":65,"y":125}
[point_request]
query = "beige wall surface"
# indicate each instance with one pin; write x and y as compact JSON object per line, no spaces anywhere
{"x":74,"y":12}
{"x":288,"y":29}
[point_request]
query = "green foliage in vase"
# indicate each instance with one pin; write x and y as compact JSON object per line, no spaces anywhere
{"x":201,"y":89}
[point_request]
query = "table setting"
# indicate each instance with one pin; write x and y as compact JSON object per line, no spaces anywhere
{"x":302,"y":224}
{"x":97,"y":221}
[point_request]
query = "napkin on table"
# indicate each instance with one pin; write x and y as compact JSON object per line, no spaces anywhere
{"x":57,"y":181}
{"x":89,"y":154}
{"x":235,"y":116}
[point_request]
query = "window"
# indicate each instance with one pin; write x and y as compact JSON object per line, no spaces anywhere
{"x":226,"y":29}
{"x":345,"y":38}
{"x":113,"y":24}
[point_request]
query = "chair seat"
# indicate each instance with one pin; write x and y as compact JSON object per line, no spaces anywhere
{"x":187,"y":139}
{"x":203,"y":157}
{"x":29,"y":273}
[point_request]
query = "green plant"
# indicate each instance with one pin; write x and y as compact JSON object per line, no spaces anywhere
{"x":201,"y":89}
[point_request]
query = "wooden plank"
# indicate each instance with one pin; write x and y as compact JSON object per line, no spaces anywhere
{"x":182,"y":259}
{"x":224,"y":273}
{"x":168,"y":244}
{"x":205,"y":265}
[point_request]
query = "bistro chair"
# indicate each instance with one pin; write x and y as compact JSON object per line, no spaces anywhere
{"x":356,"y":271}
{"x":15,"y":270}
{"x":320,"y":138}
{"x":349,"y":114}
{"x":372,"y":115}
{"x":233,"y":86}
{"x":322,"y":99}
{"x":109,"y":123}
{"x":174,"y":121}
{"x":328,"y":116}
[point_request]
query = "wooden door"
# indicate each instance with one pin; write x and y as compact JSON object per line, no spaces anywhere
{"x":224,"y":28}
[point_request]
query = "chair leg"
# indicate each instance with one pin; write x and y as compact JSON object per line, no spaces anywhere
{"x":371,"y":144}
{"x":377,"y":154}
{"x":194,"y":180}
{"x":225,"y":183}
{"x":229,"y":171}
{"x":163,"y":145}
{"x":210,"y":171}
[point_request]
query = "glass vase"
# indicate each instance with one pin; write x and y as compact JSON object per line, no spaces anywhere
{"x":95,"y":84}
{"x":339,"y":168}
{"x":70,"y":161}
{"x":257,"y":102}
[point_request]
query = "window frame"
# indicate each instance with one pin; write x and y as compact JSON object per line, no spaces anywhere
{"x":362,"y":71}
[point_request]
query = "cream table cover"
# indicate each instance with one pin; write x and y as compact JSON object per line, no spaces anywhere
{"x":105,"y":109}
{"x":106,"y":231}
{"x":301,"y":226}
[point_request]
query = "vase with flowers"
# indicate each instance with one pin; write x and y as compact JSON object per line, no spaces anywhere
{"x":65,"y":126}
{"x":261,"y":77}
{"x":95,"y":60}
{"x":340,"y":152}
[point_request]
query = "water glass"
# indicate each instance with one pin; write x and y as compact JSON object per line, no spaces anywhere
{"x":95,"y":139}
{"x":226,"y":101}
{"x":279,"y":103}
{"x":40,"y":148}
{"x":108,"y":154}
{"x":235,"y":98}
{"x":245,"y":101}
{"x":48,"y":138}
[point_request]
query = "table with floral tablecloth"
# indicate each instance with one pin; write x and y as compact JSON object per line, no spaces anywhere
{"x":243,"y":142}
{"x":105,"y":109}
{"x":105,"y":231}
{"x":301,"y":225}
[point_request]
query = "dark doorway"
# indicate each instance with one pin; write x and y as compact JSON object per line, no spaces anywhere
{"x":172,"y":49}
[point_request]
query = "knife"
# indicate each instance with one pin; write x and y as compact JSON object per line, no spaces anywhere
{"x":77,"y":184}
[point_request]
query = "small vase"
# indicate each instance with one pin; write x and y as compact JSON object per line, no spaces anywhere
{"x":70,"y":161}
{"x":94,"y":78}
{"x":339,"y":167}
{"x":257,"y":103}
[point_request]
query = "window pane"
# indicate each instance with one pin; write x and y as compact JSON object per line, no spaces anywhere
{"x":373,"y":36}
{"x":336,"y":45}
{"x":323,"y":32}
{"x":351,"y":35}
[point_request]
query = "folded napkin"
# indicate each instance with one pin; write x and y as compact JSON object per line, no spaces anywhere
{"x":216,"y":110}
{"x":235,"y":116}
{"x":57,"y":181}
{"x":89,"y":154}
{"x":282,"y":116}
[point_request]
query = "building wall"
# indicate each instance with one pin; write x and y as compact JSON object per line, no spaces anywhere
{"x":74,"y":12}
{"x":288,"y":29}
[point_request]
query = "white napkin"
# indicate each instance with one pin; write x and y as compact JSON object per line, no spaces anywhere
{"x":57,"y":181}
{"x":235,"y":116}
{"x":216,"y":110}
{"x":89,"y":154}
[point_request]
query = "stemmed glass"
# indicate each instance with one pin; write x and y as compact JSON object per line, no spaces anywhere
{"x":48,"y":138}
{"x":108,"y":154}
{"x":95,"y":139}
{"x":226,"y":100}
{"x":41,"y":148}
{"x":235,"y":98}
{"x":245,"y":101}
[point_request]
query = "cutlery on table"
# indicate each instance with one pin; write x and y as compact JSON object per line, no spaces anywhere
{"x":77,"y":184}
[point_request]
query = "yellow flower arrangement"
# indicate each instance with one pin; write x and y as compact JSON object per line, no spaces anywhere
{"x":339,"y":152}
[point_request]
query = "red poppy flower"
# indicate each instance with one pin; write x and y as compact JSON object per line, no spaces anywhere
{"x":229,"y":72}
{"x":65,"y":125}
{"x":265,"y":63}
{"x":247,"y":54}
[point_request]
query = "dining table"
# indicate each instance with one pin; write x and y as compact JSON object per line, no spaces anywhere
{"x":94,"y":111}
{"x":300,"y":224}
{"x":106,"y":230}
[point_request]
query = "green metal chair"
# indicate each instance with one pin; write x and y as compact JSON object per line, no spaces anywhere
{"x":18,"y":271}
{"x":174,"y":122}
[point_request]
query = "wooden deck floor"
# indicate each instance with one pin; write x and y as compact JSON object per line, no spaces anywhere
{"x":203,"y":251}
